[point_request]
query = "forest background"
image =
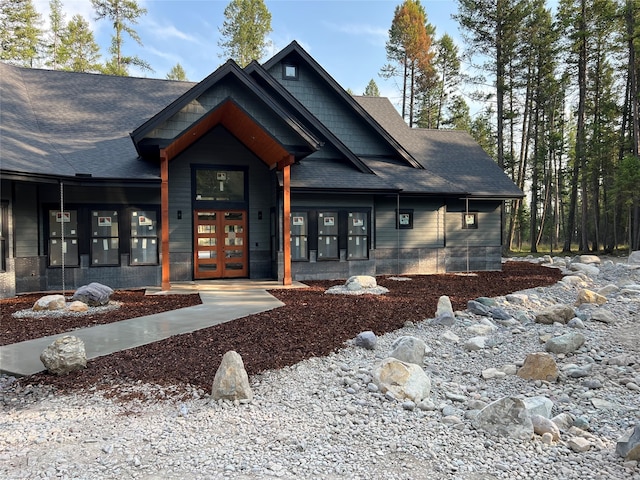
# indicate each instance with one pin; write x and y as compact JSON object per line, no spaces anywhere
{"x":549,"y":89}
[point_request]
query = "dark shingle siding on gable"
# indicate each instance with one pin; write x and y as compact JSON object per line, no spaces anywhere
{"x":323,"y":103}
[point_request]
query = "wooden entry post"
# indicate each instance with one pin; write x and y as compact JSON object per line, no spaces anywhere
{"x":286,"y":204}
{"x":164,"y":215}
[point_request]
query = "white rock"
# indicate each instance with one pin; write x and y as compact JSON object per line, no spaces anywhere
{"x":403,"y":380}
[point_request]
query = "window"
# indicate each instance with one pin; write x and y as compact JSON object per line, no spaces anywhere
{"x":63,"y":224}
{"x":404,"y":219}
{"x":328,"y":235}
{"x":299,"y":232}
{"x":105,"y":243}
{"x":220,"y":185}
{"x":357,"y":235}
{"x":469,"y":220}
{"x":290,"y":72}
{"x":4,"y":219}
{"x":144,"y":238}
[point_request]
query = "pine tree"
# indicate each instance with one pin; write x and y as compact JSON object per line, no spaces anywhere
{"x":20,"y":33}
{"x":409,"y":50}
{"x":244,"y":31}
{"x":177,"y":73}
{"x":56,"y":32}
{"x":80,"y":52}
{"x":123,"y":14}
{"x":372,"y":89}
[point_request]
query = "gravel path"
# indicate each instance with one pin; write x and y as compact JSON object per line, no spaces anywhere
{"x":322,"y":418}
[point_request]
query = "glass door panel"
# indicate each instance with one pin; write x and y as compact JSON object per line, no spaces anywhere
{"x":220,"y":246}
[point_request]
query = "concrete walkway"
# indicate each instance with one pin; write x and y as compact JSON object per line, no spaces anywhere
{"x":222,"y":301}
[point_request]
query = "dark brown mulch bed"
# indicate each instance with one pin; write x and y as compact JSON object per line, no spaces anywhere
{"x":310,"y":324}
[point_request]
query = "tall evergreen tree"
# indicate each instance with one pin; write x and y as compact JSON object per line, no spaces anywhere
{"x":177,"y":73}
{"x":20,"y":32}
{"x":79,"y":50}
{"x":247,"y":23}
{"x":372,"y":89}
{"x":409,"y":51}
{"x":123,"y":14}
{"x":56,"y":32}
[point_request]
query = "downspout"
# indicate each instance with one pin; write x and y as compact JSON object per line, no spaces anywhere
{"x":466,"y":200}
{"x":164,"y":215}
{"x":62,"y":244}
{"x":397,"y":234}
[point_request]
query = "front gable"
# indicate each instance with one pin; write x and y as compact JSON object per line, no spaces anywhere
{"x":230,"y":98}
{"x":314,"y":88}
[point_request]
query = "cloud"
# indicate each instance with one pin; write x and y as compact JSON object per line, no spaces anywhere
{"x":375,"y":35}
{"x":168,"y":32}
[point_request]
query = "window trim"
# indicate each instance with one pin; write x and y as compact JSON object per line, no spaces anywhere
{"x":466,"y":216}
{"x":95,"y":238}
{"x":68,"y":237}
{"x":404,"y":226}
{"x":285,"y":73}
{"x":155,"y":237}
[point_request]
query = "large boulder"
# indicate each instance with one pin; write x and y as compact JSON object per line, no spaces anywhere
{"x":444,"y":312}
{"x":366,"y":340}
{"x":634,"y":258}
{"x":507,"y":417}
{"x":628,"y":445}
{"x":95,"y":294}
{"x":588,"y":296}
{"x":555,"y":313}
{"x":403,"y":380}
{"x":66,"y":354}
{"x":409,"y":349}
{"x":567,"y":343}
{"x":539,"y":366}
{"x":231,"y":381}
{"x":50,"y":302}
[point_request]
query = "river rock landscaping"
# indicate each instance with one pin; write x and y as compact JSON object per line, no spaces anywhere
{"x":320,"y":410}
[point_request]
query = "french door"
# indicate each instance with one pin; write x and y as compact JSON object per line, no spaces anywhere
{"x":220,"y":244}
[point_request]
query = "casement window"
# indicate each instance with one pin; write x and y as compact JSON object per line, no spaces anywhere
{"x":328,"y":235}
{"x":144,"y":238}
{"x":469,"y":220}
{"x":299,"y":233}
{"x":103,"y":233}
{"x":63,"y":238}
{"x":357,"y":236}
{"x":105,"y":240}
{"x":328,"y":232}
{"x":404,"y":219}
{"x":4,"y":223}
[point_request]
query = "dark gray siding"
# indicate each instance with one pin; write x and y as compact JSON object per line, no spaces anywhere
{"x":474,"y":249}
{"x":417,"y":250}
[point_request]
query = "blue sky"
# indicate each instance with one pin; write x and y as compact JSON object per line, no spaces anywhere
{"x":346,"y":37}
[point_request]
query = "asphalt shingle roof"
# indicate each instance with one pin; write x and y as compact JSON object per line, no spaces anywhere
{"x":448,"y":154}
{"x":63,"y":123}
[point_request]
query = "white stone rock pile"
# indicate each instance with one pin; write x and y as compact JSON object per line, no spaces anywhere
{"x":539,"y":384}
